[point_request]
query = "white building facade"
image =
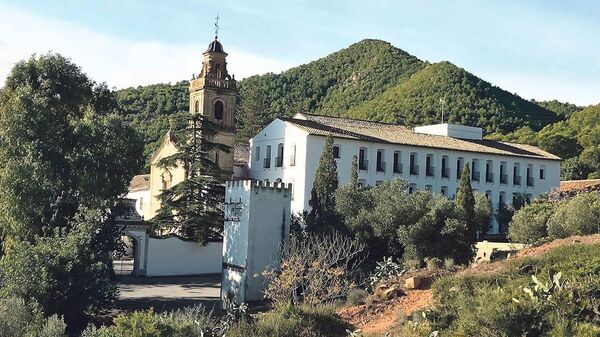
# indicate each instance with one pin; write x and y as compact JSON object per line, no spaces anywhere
{"x":427,"y":158}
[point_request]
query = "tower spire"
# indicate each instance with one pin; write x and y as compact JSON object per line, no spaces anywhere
{"x":217,"y":26}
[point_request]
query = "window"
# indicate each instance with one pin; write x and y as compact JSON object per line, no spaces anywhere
{"x":380,"y":162}
{"x":529,"y":175}
{"x":502,"y":198}
{"x":217,"y":158}
{"x":218,"y":70}
{"x":414,"y":168}
{"x":445,"y":170}
{"x":197,"y":107}
{"x":279,"y":158}
{"x":166,"y":180}
{"x":428,"y":188}
{"x":363,"y":163}
{"x":542,"y":172}
{"x":336,"y":151}
{"x":378,"y":182}
{"x":293,"y":156}
{"x":444,"y":191}
{"x":141,"y":203}
{"x":489,"y":174}
{"x":362,"y":183}
{"x":503,"y":175}
{"x":460,"y":162}
{"x":429,"y":169}
{"x":267,"y":160}
{"x":475,"y":170}
{"x":257,"y":153}
{"x":412,"y":188}
{"x":488,"y":194}
{"x":397,"y":163}
{"x":218,"y":110}
{"x":516,"y":174}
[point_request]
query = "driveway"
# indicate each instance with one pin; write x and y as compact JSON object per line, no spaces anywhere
{"x":168,"y":293}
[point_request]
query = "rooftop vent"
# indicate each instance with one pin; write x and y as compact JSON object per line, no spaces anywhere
{"x":451,"y":130}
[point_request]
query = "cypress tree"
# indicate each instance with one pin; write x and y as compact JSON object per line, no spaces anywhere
{"x":322,"y":201}
{"x":353,"y":183}
{"x":465,"y":200}
{"x":192,"y":208}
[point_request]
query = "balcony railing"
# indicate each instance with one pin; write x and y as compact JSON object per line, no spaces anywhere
{"x":475,"y":176}
{"x":446,"y":173}
{"x":363,"y":165}
{"x":529,"y":181}
{"x":503,"y":179}
{"x":398,"y":168}
{"x":381,"y":166}
{"x":517,"y":180}
{"x":430,"y":171}
{"x":414,"y":170}
{"x":267,"y":163}
{"x":489,"y":177}
{"x":278,"y":161}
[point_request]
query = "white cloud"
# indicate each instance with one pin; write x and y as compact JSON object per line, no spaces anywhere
{"x":118,"y":61}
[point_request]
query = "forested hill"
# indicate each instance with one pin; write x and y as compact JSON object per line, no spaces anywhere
{"x":370,"y":79}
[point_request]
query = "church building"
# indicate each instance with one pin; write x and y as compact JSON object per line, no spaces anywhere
{"x":213,"y":95}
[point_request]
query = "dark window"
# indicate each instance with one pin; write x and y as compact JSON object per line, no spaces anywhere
{"x":197,"y":107}
{"x":397,"y":164}
{"x":428,"y":166}
{"x":380,"y":162}
{"x":336,"y":151}
{"x":279,"y":158}
{"x":363,"y":163}
{"x":218,"y":110}
{"x":542,"y":174}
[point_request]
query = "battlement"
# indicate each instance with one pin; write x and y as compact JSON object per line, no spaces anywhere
{"x":257,"y":185}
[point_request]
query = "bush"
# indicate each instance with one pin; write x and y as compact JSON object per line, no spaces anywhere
{"x":64,"y":273}
{"x":385,"y":270}
{"x":498,"y":305}
{"x":314,"y":270}
{"x":529,"y":224}
{"x":291,"y":321}
{"x":189,"y":322}
{"x":578,"y":216}
{"x":356,"y":296}
{"x":19,"y":319}
{"x":433,"y":263}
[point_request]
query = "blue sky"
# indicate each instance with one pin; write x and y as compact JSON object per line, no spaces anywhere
{"x":537,"y":49}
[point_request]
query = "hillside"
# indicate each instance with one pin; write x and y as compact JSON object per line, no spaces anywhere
{"x":467,"y":100}
{"x":370,"y":79}
{"x":486,"y":288}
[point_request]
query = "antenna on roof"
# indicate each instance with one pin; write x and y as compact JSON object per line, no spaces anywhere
{"x":442,"y":101}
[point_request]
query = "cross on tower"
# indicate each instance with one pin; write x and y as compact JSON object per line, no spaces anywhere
{"x":217,"y":26}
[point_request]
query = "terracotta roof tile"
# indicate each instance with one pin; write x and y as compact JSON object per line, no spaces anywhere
{"x":139,"y":182}
{"x":398,"y":134}
{"x":570,"y":186}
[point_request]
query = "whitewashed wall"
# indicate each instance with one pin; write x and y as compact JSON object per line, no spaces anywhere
{"x":173,"y":256}
{"x":310,"y":147}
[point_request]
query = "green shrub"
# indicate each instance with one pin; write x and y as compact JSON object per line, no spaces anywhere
{"x":498,"y":305}
{"x":293,"y":322}
{"x":578,"y":216}
{"x":384,"y":271}
{"x":433,"y":263}
{"x":19,"y":319}
{"x":530,"y":223}
{"x":356,"y":296}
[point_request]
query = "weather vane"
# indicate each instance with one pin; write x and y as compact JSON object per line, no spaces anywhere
{"x":217,"y":26}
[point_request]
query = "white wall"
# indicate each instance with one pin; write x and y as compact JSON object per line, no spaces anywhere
{"x":173,"y":256}
{"x":253,"y":242}
{"x":142,"y":200}
{"x":310,"y":147}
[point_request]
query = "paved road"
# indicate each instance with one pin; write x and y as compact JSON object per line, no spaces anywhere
{"x":168,"y":293}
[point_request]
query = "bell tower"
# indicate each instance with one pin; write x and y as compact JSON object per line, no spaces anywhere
{"x":213,"y":95}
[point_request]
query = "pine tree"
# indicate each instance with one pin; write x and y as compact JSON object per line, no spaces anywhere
{"x":193,"y":207}
{"x":322,"y":201}
{"x":465,"y":200}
